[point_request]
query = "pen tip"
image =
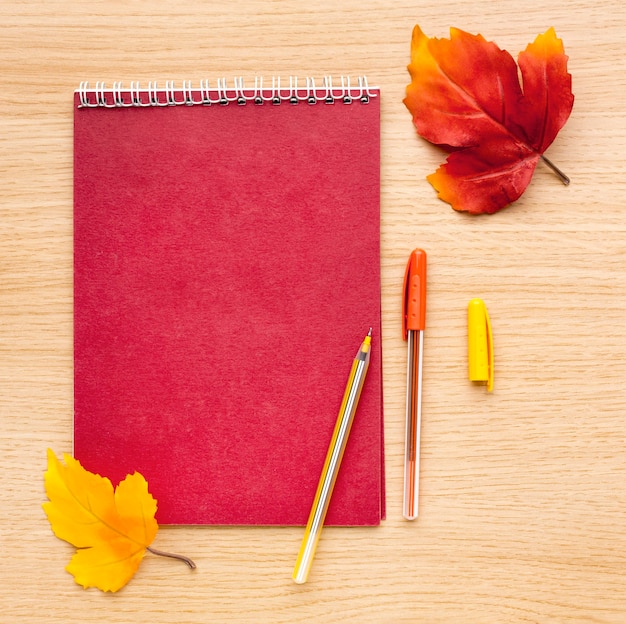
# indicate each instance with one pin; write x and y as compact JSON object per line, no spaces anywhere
{"x":369,"y":333}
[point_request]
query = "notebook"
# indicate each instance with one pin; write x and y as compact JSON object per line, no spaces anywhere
{"x":226,"y":270}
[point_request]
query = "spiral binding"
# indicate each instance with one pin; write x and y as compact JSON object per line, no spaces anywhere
{"x":222,"y":94}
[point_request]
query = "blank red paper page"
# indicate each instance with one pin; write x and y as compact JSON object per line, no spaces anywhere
{"x":227,"y":267}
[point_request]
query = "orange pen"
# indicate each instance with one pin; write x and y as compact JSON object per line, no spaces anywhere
{"x":413,"y":324}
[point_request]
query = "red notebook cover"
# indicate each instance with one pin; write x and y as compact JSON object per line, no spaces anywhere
{"x":226,"y":269}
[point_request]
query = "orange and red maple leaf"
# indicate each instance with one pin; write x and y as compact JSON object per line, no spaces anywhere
{"x":466,"y":96}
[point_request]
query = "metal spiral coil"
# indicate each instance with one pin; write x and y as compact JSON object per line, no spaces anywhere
{"x":222,"y":94}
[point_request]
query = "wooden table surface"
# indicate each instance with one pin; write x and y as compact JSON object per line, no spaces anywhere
{"x":523,"y":509}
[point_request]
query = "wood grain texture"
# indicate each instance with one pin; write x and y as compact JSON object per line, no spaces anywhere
{"x":523,"y":491}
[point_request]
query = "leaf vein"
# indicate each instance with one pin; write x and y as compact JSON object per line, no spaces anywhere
{"x":471,"y":99}
{"x":496,"y":173}
{"x":100,"y":520}
{"x":104,"y":564}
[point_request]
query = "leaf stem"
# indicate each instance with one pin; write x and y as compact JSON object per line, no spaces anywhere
{"x":160,"y":553}
{"x":556,"y":170}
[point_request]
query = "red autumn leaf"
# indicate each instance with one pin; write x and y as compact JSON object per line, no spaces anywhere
{"x":466,"y":96}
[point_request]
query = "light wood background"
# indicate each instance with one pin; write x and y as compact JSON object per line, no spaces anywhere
{"x":523,"y":515}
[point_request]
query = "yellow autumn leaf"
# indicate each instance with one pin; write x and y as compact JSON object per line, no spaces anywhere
{"x":111,"y":528}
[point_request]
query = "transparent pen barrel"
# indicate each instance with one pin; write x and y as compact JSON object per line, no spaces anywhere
{"x":331,"y":465}
{"x":413,"y":424}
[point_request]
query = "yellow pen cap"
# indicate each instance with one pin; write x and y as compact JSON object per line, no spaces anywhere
{"x":480,"y":343}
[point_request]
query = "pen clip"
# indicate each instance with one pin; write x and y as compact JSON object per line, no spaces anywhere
{"x":414,"y":304}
